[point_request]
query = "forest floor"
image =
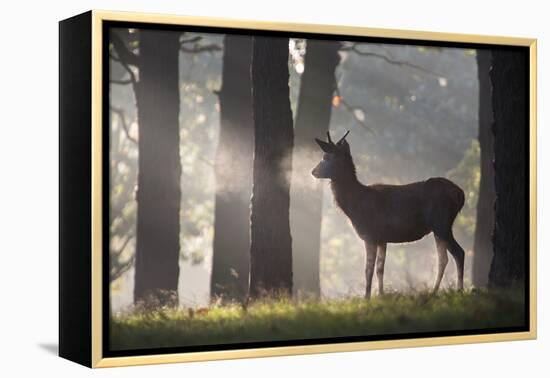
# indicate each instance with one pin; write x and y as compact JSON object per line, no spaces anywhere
{"x":285,"y":319}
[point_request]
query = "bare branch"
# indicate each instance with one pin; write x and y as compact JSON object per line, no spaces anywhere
{"x":190,"y":40}
{"x":196,"y":48}
{"x":118,"y":268}
{"x":133,"y":78}
{"x":354,"y":47}
{"x":123,"y":247}
{"x":124,"y":54}
{"x":125,"y":57}
{"x":352,"y":110}
{"x":122,"y":118}
{"x":121,"y":82}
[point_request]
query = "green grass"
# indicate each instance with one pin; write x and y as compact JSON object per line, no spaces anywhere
{"x":286,"y":320}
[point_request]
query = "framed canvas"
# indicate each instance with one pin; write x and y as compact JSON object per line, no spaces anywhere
{"x":235,"y":189}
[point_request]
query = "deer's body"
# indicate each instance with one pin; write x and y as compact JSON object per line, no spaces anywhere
{"x":398,"y":213}
{"x":382,"y":214}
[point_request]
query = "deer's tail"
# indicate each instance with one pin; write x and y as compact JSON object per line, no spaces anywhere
{"x":452,"y":191}
{"x":458,"y":198}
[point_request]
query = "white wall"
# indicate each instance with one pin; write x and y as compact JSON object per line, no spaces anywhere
{"x":28,"y":167}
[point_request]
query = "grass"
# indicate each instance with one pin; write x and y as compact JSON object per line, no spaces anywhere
{"x":284,"y":319}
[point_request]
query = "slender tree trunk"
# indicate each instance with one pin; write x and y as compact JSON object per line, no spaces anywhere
{"x":312,"y":121}
{"x":485,"y":222}
{"x":159,"y":193}
{"x":271,"y":243}
{"x":230,"y":265}
{"x":509,"y":76}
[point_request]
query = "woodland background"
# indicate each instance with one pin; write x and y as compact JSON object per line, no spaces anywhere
{"x":415,"y":112}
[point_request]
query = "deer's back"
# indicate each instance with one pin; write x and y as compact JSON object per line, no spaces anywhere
{"x":403,"y":213}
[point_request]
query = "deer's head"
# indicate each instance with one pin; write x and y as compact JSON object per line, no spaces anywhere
{"x":336,"y":158}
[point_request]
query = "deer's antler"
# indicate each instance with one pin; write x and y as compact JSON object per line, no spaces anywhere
{"x":344,"y":137}
{"x":328,"y":138}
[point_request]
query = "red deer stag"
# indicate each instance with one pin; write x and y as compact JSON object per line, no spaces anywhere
{"x":382,"y":214}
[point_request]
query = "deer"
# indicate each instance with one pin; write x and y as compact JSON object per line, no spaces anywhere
{"x":382,"y":214}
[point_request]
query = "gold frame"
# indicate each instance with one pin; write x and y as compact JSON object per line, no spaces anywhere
{"x":99,"y":16}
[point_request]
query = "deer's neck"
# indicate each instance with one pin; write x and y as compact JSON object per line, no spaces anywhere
{"x":345,"y":188}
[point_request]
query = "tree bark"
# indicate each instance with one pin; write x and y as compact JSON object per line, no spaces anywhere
{"x":485,"y":219}
{"x":231,"y":250}
{"x":271,"y":242}
{"x":312,"y":121}
{"x":159,"y":193}
{"x":509,"y":76}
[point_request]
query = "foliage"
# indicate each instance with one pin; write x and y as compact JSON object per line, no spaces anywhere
{"x":283,"y":319}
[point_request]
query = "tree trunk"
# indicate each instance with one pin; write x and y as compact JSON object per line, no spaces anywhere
{"x":312,"y":121}
{"x":509,"y":76}
{"x":230,"y":265}
{"x":159,"y":193}
{"x":485,"y":221}
{"x":271,"y":243}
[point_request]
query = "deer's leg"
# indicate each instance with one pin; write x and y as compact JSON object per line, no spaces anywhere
{"x":458,"y":254}
{"x":442,"y":260}
{"x":371,"y":258}
{"x":380,"y":261}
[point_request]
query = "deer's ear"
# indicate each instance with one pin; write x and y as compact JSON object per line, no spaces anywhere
{"x":326,"y":147}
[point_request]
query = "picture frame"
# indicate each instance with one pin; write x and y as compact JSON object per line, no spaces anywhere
{"x":84,"y":119}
